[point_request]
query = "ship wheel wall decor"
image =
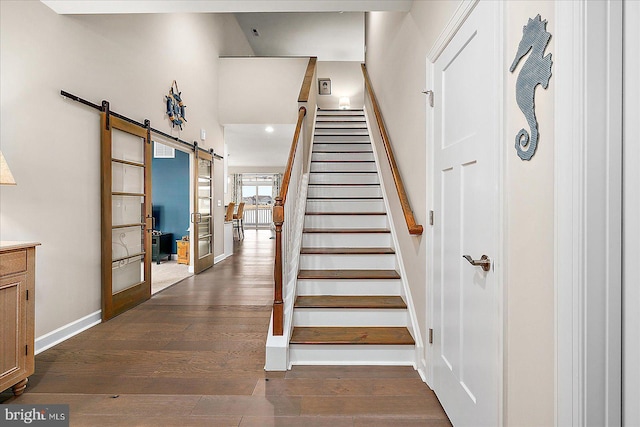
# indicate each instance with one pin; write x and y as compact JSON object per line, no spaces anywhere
{"x":175,"y":106}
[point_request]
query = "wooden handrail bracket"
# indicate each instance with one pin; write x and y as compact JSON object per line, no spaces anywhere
{"x":414,"y":228}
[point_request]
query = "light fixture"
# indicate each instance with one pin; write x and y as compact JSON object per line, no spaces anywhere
{"x":269,"y":129}
{"x":344,"y":103}
{"x":6,"y":178}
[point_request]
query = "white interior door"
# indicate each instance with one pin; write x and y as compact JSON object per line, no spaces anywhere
{"x":467,"y":78}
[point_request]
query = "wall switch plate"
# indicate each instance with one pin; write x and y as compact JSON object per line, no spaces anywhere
{"x":219,"y":203}
{"x":203,"y":134}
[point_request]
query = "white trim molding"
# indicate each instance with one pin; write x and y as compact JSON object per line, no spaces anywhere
{"x":631,"y":226}
{"x":67,"y":331}
{"x":459,"y":17}
{"x":588,"y":212}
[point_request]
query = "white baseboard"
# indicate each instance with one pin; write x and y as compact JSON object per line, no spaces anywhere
{"x":67,"y":331}
{"x":221,"y":257}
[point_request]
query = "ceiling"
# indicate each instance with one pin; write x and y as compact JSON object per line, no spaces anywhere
{"x":212,"y":6}
{"x":331,"y":36}
{"x":252,"y":146}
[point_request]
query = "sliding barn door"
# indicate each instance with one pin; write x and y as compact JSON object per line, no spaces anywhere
{"x":202,"y":216}
{"x":126,"y":215}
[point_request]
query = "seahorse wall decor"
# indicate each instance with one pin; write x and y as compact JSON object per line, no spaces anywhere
{"x":535,"y":71}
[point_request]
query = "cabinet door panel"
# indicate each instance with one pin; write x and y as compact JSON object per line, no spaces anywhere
{"x":12,"y":325}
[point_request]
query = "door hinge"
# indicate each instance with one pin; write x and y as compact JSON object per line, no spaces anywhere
{"x":429,"y":93}
{"x":26,"y":350}
{"x":27,"y":294}
{"x":430,"y":336}
{"x":431,"y":217}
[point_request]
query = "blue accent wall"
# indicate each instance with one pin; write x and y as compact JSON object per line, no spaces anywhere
{"x":170,"y":195}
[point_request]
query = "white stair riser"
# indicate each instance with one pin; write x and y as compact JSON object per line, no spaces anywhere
{"x":341,"y":125}
{"x":345,"y":205}
{"x":341,"y":138}
{"x":348,"y":262}
{"x":341,"y":131}
{"x":348,"y":287}
{"x":343,"y":167}
{"x":346,"y":221}
{"x":343,"y":148}
{"x":344,"y":191}
{"x":349,"y":354}
{"x":332,"y":119}
{"x":346,"y":240}
{"x":342,"y":157}
{"x":349,"y":317}
{"x":323,"y":113}
{"x":350,"y":178}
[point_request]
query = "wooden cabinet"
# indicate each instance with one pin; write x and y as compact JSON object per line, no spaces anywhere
{"x":17,"y":311}
{"x":183,"y":251}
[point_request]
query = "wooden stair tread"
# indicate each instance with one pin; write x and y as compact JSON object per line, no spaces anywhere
{"x":350,"y":301}
{"x":329,"y":184}
{"x":341,"y":152}
{"x":346,"y":251}
{"x":348,"y":274}
{"x":345,"y":198}
{"x":343,"y":161}
{"x":342,"y":142}
{"x":342,"y":127}
{"x":363,"y":335}
{"x":346,"y":230}
{"x":326,"y":172}
{"x":345,"y":213}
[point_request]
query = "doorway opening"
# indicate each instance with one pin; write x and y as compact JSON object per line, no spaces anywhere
{"x":171,"y":207}
{"x":258,"y":196}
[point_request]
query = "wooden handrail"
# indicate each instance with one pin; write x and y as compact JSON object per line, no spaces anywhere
{"x":414,"y":228}
{"x":308,"y":80}
{"x":278,"y":220}
{"x":286,"y":178}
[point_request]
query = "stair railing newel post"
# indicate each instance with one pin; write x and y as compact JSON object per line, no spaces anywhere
{"x":278,"y":315}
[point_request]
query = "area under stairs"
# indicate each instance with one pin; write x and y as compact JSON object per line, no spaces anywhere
{"x":349,"y":307}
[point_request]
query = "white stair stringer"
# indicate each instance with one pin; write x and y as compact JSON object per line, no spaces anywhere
{"x":347,"y":237}
{"x":277,"y":347}
{"x":420,"y":364}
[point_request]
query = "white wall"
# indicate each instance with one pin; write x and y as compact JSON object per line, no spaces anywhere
{"x":260,"y":90}
{"x":631,"y":227}
{"x":346,"y":80}
{"x":397,"y":45}
{"x":529,"y":286}
{"x":52,"y":144}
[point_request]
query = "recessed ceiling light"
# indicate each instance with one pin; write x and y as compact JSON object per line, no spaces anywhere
{"x":269,"y":129}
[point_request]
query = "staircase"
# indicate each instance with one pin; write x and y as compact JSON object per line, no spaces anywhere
{"x":349,"y":307}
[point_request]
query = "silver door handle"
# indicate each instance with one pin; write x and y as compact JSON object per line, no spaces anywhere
{"x":483,"y":262}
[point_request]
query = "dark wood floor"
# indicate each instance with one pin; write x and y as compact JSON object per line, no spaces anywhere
{"x":193,"y":355}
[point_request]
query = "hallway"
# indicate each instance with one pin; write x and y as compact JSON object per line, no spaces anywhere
{"x":193,"y":355}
